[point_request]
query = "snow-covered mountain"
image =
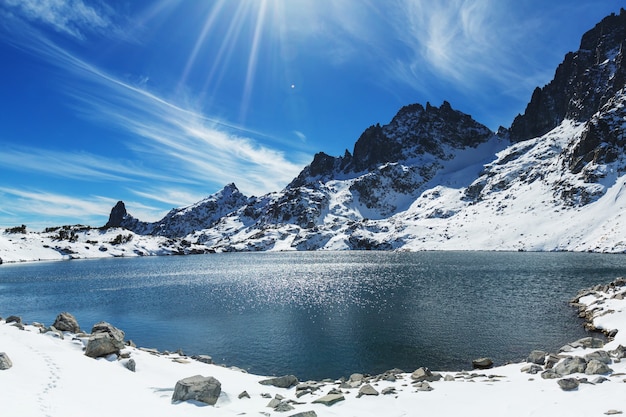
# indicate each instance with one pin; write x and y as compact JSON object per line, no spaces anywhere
{"x":435,"y":179}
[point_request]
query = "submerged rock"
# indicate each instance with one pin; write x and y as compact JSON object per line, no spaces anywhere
{"x":197,"y":388}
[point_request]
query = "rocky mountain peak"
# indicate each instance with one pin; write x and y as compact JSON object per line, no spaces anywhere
{"x":582,"y":84}
{"x":117,"y":215}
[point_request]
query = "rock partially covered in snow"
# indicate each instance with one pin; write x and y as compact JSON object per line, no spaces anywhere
{"x":5,"y":362}
{"x":197,"y":388}
{"x":105,"y":340}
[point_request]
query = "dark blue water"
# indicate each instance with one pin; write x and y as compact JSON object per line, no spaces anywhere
{"x":322,"y":314}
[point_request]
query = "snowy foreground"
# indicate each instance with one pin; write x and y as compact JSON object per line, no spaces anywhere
{"x":51,"y":377}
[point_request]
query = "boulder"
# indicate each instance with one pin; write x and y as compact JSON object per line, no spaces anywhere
{"x":599,"y":355}
{"x":619,"y":352}
{"x":329,"y":399}
{"x":549,"y":374}
{"x":5,"y":362}
{"x":588,"y":342}
{"x":568,"y":384}
{"x":482,"y":363}
{"x":571,"y":365}
{"x":367,"y":389}
{"x":596,"y":367}
{"x":66,"y":322}
{"x":197,"y":388}
{"x":104,"y":340}
{"x":537,"y":357}
{"x":286,"y":381}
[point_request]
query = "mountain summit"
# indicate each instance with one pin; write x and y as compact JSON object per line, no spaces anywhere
{"x":434,"y":178}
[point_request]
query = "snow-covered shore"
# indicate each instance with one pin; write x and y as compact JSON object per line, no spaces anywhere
{"x":51,"y":377}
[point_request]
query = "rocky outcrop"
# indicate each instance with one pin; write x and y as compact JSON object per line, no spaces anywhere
{"x":197,"y":388}
{"x":582,"y":84}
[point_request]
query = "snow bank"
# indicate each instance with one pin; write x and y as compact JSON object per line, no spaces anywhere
{"x":52,"y":377}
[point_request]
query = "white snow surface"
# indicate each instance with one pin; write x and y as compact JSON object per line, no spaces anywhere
{"x":52,"y":377}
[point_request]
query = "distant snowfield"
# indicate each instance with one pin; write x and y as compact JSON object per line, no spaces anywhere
{"x":52,"y":377}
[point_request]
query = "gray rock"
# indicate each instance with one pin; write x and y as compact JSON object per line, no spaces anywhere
{"x":424,"y":374}
{"x":286,"y":381}
{"x":388,"y":391}
{"x":619,"y":352}
{"x":284,"y":406}
{"x":588,"y":342}
{"x":14,"y":319}
{"x":105,"y":340}
{"x":571,"y":365}
{"x":552,"y":360}
{"x":595,"y":367}
{"x":599,"y":355}
{"x":66,"y":322}
{"x":131,"y":365}
{"x":197,"y":388}
{"x":531,"y":368}
{"x":537,"y":357}
{"x":329,"y":399}
{"x":356,"y":378}
{"x":449,"y":378}
{"x":203,"y":358}
{"x":550,"y":374}
{"x":600,"y":380}
{"x":423,"y":386}
{"x":5,"y":362}
{"x":367,"y":389}
{"x":613,"y":412}
{"x":568,"y":384}
{"x":482,"y":363}
{"x":243,"y":395}
{"x":304,"y":414}
{"x":273,"y":403}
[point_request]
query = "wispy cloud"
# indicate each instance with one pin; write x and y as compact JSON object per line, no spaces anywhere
{"x":182,"y":143}
{"x":70,"y":17}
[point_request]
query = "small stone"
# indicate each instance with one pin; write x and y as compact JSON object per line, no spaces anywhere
{"x":304,"y":414}
{"x":423,"y":386}
{"x":449,"y":378}
{"x":549,"y":374}
{"x":600,"y":380}
{"x":568,"y":384}
{"x":329,"y":399}
{"x":203,"y":358}
{"x":612,"y":412}
{"x":388,"y":390}
{"x":284,"y":406}
{"x":244,"y":395}
{"x":531,"y":368}
{"x":130,"y":365}
{"x":273,"y":403}
{"x":367,"y":389}
{"x":5,"y":362}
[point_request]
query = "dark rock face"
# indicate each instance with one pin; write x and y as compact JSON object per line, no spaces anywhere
{"x":66,"y":322}
{"x":197,"y":388}
{"x":582,"y":84}
{"x":117,"y":216}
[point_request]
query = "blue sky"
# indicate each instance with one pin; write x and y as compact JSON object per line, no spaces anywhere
{"x":161,"y":103}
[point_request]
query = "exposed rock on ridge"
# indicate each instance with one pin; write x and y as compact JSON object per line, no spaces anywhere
{"x":582,"y":84}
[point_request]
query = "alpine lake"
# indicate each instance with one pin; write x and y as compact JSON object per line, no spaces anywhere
{"x":322,"y":314}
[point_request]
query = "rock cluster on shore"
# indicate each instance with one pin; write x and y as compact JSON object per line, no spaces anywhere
{"x":585,"y":361}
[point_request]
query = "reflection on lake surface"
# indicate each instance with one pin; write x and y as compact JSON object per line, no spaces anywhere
{"x":322,"y":314}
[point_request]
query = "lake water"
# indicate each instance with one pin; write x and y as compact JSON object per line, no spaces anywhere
{"x":322,"y":314}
